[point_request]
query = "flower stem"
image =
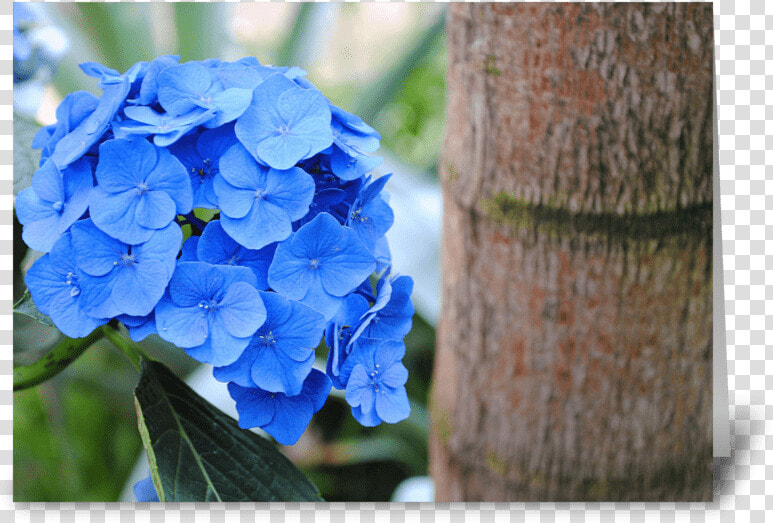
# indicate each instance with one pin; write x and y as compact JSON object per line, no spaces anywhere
{"x":25,"y":376}
{"x":131,"y":350}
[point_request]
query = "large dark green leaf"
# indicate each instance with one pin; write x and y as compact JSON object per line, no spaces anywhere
{"x":197,"y":453}
{"x":25,"y":158}
{"x":26,"y":306}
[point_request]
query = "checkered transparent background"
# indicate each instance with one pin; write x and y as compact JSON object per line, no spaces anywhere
{"x":744,"y":65}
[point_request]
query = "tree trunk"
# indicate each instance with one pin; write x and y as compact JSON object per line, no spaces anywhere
{"x":574,"y":348}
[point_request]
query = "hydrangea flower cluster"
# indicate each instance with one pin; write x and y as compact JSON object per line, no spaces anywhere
{"x":283,"y":244}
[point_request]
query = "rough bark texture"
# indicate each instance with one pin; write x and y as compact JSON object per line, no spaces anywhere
{"x":574,"y":348}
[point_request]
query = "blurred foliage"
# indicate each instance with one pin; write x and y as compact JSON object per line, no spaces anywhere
{"x":75,"y":436}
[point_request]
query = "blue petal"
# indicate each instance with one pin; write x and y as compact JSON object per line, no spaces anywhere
{"x":144,"y":491}
{"x":92,"y":128}
{"x":139,"y":286}
{"x":149,"y":87}
{"x":265,"y":223}
{"x":188,"y":252}
{"x":229,"y":105}
{"x":42,"y":234}
{"x":162,"y":246}
{"x":48,"y":184}
{"x":351,"y":166}
{"x":292,"y":190}
{"x":359,"y":388}
{"x":282,"y":151}
{"x":183,"y":326}
{"x":193,"y":282}
{"x":389,"y":352}
{"x":155,"y":209}
{"x":293,"y":415}
{"x":234,"y":202}
{"x":290,"y":275}
{"x":116,"y":214}
{"x":392,"y":405}
{"x":241,"y":310}
{"x":394,"y":376}
{"x":275,"y":372}
{"x":256,"y":407}
{"x":96,"y":295}
{"x":221,"y":347}
{"x":96,"y":253}
{"x":30,"y":208}
{"x":179,"y":85}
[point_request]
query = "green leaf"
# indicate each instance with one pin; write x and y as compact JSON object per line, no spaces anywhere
{"x":198,"y":453}
{"x":26,"y":306}
{"x":25,"y":158}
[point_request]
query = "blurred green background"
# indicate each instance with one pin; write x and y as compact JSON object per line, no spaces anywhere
{"x":75,"y":437}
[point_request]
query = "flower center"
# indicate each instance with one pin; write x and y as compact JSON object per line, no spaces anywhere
{"x":72,"y":281}
{"x":208,"y":305}
{"x":375,"y":379}
{"x":126,"y":260}
{"x":284,"y":129}
{"x":142,"y":188}
{"x":260,"y":194}
{"x":314,"y":263}
{"x":57,"y":206}
{"x":268,"y":339}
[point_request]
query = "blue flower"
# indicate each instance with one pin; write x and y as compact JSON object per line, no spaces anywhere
{"x":259,"y":204}
{"x":285,"y":123}
{"x":339,"y":333}
{"x":200,"y":154}
{"x":145,"y":491}
{"x":352,"y":138}
{"x":53,"y":203}
{"x":140,"y":188}
{"x":370,"y":215}
{"x":93,"y":127}
{"x":246,"y":73}
{"x":216,"y":247}
{"x":190,"y":86}
{"x":391,"y":316}
{"x":165,"y":128}
{"x":281,"y":353}
{"x":375,"y":382}
{"x":284,"y":417}
{"x":210,"y":310}
{"x":149,"y":88}
{"x":71,"y":112}
{"x":54,"y":283}
{"x":320,"y":264}
{"x":120,"y":278}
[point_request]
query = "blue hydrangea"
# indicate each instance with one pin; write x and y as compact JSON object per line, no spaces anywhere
{"x":259,"y":204}
{"x":284,"y":417}
{"x":140,"y":189}
{"x":54,"y":281}
{"x":216,"y":247}
{"x":375,"y":381}
{"x":211,"y":310}
{"x":281,"y":353}
{"x":320,"y":264}
{"x":200,"y":154}
{"x":230,"y":209}
{"x":121,"y":278}
{"x":53,"y":203}
{"x":285,"y":123}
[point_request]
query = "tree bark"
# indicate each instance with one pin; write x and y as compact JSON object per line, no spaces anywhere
{"x":574,"y":347}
